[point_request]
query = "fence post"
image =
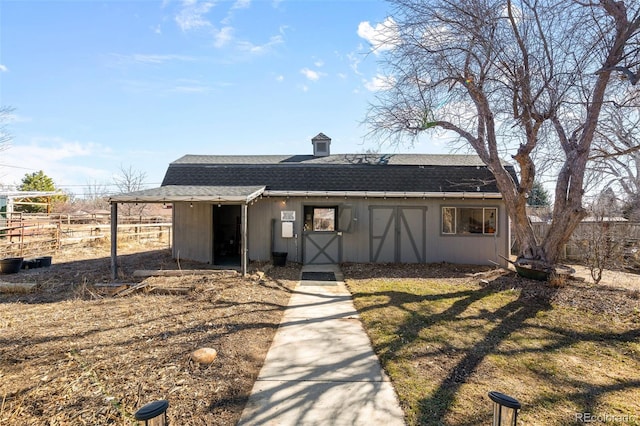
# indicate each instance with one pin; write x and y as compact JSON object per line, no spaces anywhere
{"x":114,"y":240}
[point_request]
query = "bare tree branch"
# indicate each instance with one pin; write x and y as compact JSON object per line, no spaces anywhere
{"x":525,"y":78}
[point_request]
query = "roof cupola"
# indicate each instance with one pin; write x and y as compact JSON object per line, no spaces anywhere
{"x":321,"y":144}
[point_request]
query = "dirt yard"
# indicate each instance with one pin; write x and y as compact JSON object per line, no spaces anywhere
{"x":72,"y":355}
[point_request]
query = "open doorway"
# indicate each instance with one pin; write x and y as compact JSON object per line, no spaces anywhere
{"x":226,"y":235}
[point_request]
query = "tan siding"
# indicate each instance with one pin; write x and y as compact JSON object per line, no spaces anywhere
{"x":193,"y":235}
{"x":193,"y":230}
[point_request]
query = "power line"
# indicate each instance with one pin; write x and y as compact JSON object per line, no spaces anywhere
{"x":91,"y":185}
{"x":16,"y":167}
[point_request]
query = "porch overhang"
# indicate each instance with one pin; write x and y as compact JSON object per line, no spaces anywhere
{"x":179,"y":193}
{"x":242,"y":195}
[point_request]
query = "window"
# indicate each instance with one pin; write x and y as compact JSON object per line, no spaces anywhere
{"x":320,"y":218}
{"x":462,"y":221}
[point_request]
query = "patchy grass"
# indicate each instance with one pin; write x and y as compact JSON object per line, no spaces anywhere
{"x":446,"y":339}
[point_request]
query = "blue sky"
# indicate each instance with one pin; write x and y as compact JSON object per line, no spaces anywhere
{"x":97,"y":85}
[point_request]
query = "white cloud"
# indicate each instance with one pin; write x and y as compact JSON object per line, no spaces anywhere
{"x":280,"y":78}
{"x":192,"y":15}
{"x":516,"y":12}
{"x":379,"y":82}
{"x":188,"y":86}
{"x":384,"y":36}
{"x":319,"y":63}
{"x":237,"y":5}
{"x":60,"y":159}
{"x":168,"y":87}
{"x":354,"y":61}
{"x":158,"y":58}
{"x":311,"y":74}
{"x":191,"y":89}
{"x":3,"y":68}
{"x":118,"y":60}
{"x":15,"y":118}
{"x":438,"y":36}
{"x":223,"y":37}
{"x":255,"y":49}
{"x":241,"y":4}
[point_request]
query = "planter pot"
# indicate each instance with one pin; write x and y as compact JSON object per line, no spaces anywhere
{"x":10,"y":265}
{"x":30,"y":264}
{"x":44,"y":261}
{"x":279,"y":258}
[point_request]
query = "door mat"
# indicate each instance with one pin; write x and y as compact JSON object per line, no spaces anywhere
{"x":318,"y":276}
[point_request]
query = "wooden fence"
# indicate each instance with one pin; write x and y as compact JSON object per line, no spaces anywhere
{"x":625,"y":234}
{"x":28,"y":235}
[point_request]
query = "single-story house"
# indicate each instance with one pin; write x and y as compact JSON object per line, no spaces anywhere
{"x":322,"y":208}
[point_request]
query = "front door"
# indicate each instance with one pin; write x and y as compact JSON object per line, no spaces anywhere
{"x":322,"y":242}
{"x":227,"y":235}
{"x":321,"y":248}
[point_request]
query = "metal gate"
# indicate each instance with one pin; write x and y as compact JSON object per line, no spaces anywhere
{"x":397,"y":234}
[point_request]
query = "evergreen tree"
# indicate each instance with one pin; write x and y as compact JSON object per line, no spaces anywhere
{"x":539,"y":196}
{"x":37,"y":181}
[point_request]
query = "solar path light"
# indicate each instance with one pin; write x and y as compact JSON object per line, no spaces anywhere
{"x":505,"y":409}
{"x":154,"y":413}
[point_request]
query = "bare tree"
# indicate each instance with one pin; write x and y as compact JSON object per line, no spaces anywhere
{"x":617,"y":155}
{"x":95,"y":196}
{"x":602,"y":241}
{"x":5,"y":136}
{"x":511,"y":77}
{"x":130,"y":180}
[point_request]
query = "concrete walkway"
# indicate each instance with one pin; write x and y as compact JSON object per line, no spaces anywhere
{"x":321,"y":369}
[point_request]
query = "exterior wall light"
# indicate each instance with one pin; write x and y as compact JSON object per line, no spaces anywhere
{"x":154,"y":413}
{"x":505,"y":409}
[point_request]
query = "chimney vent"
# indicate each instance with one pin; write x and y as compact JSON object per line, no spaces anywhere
{"x":321,"y":145}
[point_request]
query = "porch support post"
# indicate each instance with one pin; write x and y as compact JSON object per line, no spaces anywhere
{"x":114,"y":240}
{"x":243,"y":260}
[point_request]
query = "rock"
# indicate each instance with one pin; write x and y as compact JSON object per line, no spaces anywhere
{"x":204,"y":355}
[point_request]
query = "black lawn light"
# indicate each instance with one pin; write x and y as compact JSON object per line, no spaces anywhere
{"x":154,"y":413}
{"x":505,"y":409}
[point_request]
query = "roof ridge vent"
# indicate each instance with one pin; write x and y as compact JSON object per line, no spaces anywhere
{"x":321,"y":145}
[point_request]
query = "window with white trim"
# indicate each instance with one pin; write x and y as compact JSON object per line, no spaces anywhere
{"x":320,"y":218}
{"x":469,"y":220}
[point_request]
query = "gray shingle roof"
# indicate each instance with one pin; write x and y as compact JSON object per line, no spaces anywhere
{"x":192,"y":193}
{"x":343,"y":172}
{"x":344,"y":159}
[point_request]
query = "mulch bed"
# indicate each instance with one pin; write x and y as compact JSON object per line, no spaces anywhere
{"x":71,"y":355}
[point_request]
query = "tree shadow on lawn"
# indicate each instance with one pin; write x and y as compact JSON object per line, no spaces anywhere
{"x":507,"y":320}
{"x":404,"y":270}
